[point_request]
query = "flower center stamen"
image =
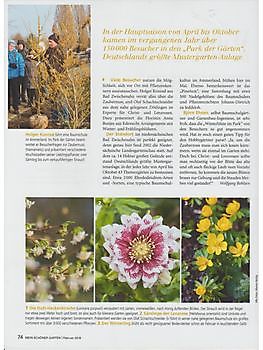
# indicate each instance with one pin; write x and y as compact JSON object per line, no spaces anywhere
{"x":141,"y":249}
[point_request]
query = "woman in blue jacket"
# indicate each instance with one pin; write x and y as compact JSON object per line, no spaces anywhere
{"x":16,"y":70}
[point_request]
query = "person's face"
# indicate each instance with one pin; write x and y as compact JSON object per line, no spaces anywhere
{"x":20,"y":46}
{"x":11,"y":47}
{"x":52,"y":44}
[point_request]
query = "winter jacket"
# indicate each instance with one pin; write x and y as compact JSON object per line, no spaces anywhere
{"x":15,"y":59}
{"x":31,"y":74}
{"x":55,"y":58}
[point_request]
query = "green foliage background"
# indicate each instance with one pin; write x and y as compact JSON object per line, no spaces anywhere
{"x":108,"y":288}
{"x":228,"y":279}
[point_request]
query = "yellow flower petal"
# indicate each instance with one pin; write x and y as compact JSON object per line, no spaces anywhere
{"x":200,"y":290}
{"x":244,"y":250}
{"x":223,"y":224}
{"x":211,"y":201}
{"x":210,"y":250}
{"x":246,"y":245}
{"x":220,"y":237}
{"x":233,"y":249}
{"x":203,"y":263}
{"x":224,"y":246}
{"x":233,"y":207}
{"x":203,"y":225}
{"x":239,"y":250}
{"x":211,"y":236}
{"x":206,"y":211}
{"x":201,"y":260}
{"x":210,"y":263}
{"x":238,"y":245}
{"x":216,"y":244}
{"x":202,"y":268}
{"x":218,"y":250}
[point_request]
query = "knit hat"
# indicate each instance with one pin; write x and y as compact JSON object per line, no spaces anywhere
{"x":54,"y":37}
{"x":21,"y":42}
{"x":11,"y":42}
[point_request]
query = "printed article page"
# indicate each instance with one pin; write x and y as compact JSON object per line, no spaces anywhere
{"x":131,"y":174}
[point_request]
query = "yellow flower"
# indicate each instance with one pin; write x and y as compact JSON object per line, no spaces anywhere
{"x":203,"y":225}
{"x":206,"y":211}
{"x":232,"y":208}
{"x":211,"y":201}
{"x":200,"y":290}
{"x":202,"y":262}
{"x":239,"y":250}
{"x":186,"y":198}
{"x":224,"y":224}
{"x":216,"y":244}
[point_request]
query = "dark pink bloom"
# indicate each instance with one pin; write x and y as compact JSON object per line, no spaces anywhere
{"x":139,"y":249}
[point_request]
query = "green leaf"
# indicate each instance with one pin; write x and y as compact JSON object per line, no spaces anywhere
{"x":99,"y":276}
{"x":238,"y":287}
{"x":202,"y":239}
{"x":112,"y":275}
{"x":142,"y":294}
{"x":124,"y":209}
{"x":105,"y":217}
{"x":130,"y":202}
{"x":198,"y":201}
{"x":77,"y":230}
{"x":29,"y":226}
{"x":186,"y":235}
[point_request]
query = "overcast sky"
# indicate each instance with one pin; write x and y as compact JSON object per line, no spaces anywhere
{"x":23,"y":19}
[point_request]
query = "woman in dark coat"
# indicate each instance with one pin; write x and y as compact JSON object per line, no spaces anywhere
{"x":22,"y":83}
{"x":31,"y":78}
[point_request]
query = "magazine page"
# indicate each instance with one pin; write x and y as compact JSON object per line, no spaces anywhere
{"x":131,"y":174}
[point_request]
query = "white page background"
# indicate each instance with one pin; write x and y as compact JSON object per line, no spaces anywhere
{"x":26,"y":180}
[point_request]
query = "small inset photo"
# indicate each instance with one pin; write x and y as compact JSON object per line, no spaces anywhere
{"x":59,"y":250}
{"x":48,"y":66}
{"x":137,"y":250}
{"x":215,"y":250}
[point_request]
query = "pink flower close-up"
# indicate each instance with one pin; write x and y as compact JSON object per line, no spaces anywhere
{"x":139,"y":249}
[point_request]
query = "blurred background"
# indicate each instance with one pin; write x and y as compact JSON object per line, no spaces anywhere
{"x":67,"y":275}
{"x":58,"y":210}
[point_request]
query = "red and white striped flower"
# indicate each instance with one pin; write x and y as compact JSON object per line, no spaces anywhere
{"x":139,"y":249}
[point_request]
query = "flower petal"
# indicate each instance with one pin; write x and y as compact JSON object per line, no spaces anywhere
{"x":149,"y":279}
{"x":210,"y":250}
{"x":220,"y":237}
{"x":210,"y":263}
{"x":223,"y":246}
{"x":202,"y":268}
{"x":238,"y":245}
{"x":233,"y":249}
{"x":218,"y":250}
